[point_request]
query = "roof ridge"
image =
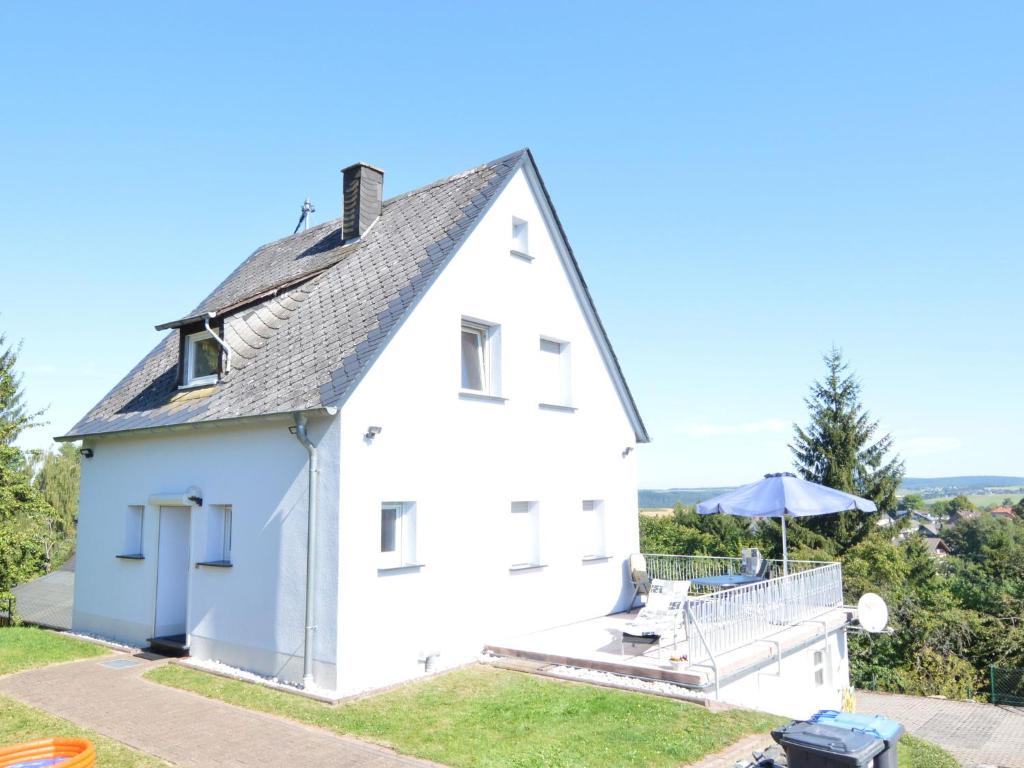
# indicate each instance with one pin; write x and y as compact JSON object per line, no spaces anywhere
{"x":407,"y":193}
{"x":475,"y":169}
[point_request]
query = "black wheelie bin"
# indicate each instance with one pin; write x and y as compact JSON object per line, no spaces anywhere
{"x":813,"y":745}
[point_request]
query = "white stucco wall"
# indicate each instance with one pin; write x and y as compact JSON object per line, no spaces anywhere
{"x":252,"y":614}
{"x":790,"y":689}
{"x":463,"y":461}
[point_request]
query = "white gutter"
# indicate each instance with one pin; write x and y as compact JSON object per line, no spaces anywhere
{"x":307,"y":654}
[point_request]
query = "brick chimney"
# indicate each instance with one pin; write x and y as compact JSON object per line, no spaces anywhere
{"x":364,"y":195}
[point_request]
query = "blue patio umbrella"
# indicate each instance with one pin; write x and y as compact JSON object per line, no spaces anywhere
{"x":781,"y":494}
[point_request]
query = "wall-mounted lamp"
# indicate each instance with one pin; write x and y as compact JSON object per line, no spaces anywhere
{"x":372,"y":432}
{"x":627,"y":450}
{"x":85,"y":453}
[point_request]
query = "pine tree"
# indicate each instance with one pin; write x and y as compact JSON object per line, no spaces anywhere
{"x":838,"y":449}
{"x":22,"y":508}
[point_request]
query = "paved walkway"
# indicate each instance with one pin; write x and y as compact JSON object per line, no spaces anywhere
{"x":181,"y":727}
{"x":741,"y":752}
{"x":976,"y":734}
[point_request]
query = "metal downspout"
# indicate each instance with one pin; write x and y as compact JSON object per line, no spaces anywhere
{"x":307,"y":654}
{"x":223,"y":345}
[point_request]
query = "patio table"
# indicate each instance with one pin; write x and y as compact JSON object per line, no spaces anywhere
{"x":727,"y":580}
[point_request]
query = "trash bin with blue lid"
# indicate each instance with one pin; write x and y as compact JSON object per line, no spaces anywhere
{"x":815,"y":745}
{"x":876,"y":725}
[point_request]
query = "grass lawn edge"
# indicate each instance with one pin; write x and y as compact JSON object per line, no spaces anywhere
{"x":20,"y":722}
{"x":483,"y":717}
{"x":365,"y":718}
{"x":24,"y":648}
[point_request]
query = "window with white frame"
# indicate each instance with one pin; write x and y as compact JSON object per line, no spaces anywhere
{"x":218,"y":534}
{"x":397,"y":534}
{"x":593,"y":530}
{"x":818,"y":658}
{"x":200,"y":359}
{"x":553,"y":373}
{"x":131,"y":546}
{"x":524,"y":535}
{"x":520,"y":237}
{"x":480,"y":357}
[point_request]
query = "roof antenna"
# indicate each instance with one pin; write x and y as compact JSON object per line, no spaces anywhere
{"x":307,"y":208}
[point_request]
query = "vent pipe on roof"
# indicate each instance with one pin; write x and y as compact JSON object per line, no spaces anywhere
{"x":363,"y":188}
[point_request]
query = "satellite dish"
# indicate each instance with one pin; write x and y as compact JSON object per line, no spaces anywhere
{"x":872,"y":612}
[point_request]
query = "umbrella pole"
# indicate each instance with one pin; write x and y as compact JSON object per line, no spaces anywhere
{"x":785,"y":551}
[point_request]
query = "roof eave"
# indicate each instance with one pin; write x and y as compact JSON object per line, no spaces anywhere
{"x":190,"y":320}
{"x":185,"y":426}
{"x":639,"y":428}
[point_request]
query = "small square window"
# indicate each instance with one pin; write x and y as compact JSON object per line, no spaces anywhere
{"x":554,"y":378}
{"x":592,"y":530}
{"x":201,"y":359}
{"x":218,"y":533}
{"x":397,"y":534}
{"x":524,"y":535}
{"x":480,"y":357}
{"x":819,"y":668}
{"x":520,"y":237}
{"x":131,"y":545}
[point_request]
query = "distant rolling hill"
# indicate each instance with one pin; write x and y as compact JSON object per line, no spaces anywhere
{"x":962,"y":482}
{"x":930,"y":487}
{"x":650,"y":499}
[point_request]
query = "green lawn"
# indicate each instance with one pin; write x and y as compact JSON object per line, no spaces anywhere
{"x":27,"y":647}
{"x":482,"y":717}
{"x":917,"y":753}
{"x":21,"y":723}
{"x":983,"y":500}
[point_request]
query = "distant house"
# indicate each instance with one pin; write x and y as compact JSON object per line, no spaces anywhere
{"x":885,"y":521}
{"x":936,"y":546}
{"x":961,"y":515}
{"x":923,"y":517}
{"x":928,"y":529}
{"x":1003,"y":512}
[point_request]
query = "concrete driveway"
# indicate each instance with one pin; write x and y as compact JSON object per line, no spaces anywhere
{"x":975,"y":734}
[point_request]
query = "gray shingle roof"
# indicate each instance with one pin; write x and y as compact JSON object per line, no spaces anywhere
{"x":305,"y":315}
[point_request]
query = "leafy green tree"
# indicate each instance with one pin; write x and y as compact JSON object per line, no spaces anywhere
{"x":961,"y":503}
{"x":1018,"y":508}
{"x":911,"y":502}
{"x":56,"y":477}
{"x":838,"y":448}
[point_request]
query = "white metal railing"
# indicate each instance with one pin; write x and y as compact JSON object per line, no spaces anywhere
{"x":730,"y":618}
{"x":689,"y":567}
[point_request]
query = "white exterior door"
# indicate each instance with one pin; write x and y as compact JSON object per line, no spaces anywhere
{"x":172,"y":572}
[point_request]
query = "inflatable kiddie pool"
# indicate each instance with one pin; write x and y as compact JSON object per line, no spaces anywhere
{"x":64,"y":753}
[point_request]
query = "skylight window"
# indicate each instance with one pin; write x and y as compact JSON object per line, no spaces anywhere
{"x":201,"y":360}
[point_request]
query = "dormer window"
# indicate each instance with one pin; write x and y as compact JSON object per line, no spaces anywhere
{"x":201,"y":359}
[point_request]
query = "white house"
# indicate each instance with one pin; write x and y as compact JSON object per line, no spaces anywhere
{"x":398,"y":434}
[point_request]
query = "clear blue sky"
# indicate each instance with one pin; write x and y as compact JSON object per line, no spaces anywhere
{"x":745,"y":184}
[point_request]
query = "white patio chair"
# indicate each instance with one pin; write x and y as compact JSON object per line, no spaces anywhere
{"x":664,"y":613}
{"x":639,"y":576}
